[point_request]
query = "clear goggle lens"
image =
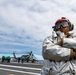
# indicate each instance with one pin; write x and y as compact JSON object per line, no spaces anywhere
{"x":63,"y":24}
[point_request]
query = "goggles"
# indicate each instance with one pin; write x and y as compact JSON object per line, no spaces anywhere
{"x":63,"y":24}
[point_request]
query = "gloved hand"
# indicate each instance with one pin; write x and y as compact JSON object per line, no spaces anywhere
{"x":60,"y":38}
{"x":60,"y":34}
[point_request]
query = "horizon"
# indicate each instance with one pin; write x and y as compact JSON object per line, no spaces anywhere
{"x":19,"y":55}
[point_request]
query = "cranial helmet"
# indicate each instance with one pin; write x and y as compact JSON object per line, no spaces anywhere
{"x":63,"y":21}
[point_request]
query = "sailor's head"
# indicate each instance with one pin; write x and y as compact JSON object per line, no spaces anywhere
{"x":63,"y":24}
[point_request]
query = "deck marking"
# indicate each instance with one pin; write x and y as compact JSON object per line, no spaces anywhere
{"x":20,"y":67}
{"x":20,"y":71}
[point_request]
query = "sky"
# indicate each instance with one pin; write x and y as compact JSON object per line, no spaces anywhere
{"x":24,"y":24}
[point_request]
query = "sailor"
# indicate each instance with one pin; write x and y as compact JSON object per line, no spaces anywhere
{"x":57,"y":50}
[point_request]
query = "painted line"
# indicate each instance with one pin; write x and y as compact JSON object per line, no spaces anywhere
{"x":29,"y":63}
{"x":20,"y":67}
{"x":20,"y":71}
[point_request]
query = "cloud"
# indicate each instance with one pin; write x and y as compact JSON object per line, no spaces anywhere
{"x":26,"y":23}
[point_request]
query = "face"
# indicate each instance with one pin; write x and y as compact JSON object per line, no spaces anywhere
{"x":65,"y":30}
{"x":63,"y":27}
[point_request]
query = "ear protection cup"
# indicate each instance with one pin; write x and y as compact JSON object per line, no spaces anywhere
{"x":54,"y":28}
{"x":71,"y":26}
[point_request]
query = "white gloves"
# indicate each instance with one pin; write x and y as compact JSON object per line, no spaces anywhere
{"x":60,"y":34}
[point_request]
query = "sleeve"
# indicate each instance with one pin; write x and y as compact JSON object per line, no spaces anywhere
{"x":54,"y":52}
{"x":70,"y":43}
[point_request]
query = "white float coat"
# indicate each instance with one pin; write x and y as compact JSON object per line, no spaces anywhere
{"x":56,"y":58}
